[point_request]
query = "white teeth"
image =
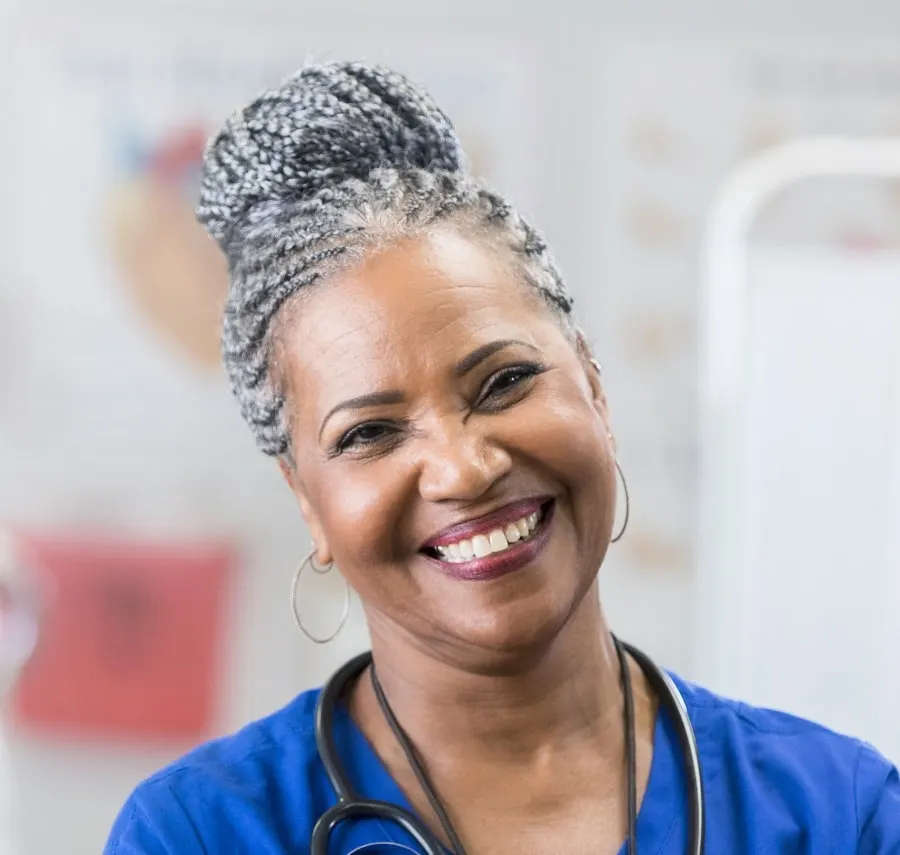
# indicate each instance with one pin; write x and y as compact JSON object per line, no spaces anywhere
{"x":495,"y":541}
{"x":481,"y":545}
{"x":498,"y":541}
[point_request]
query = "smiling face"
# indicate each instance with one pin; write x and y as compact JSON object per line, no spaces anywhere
{"x":438,"y":409}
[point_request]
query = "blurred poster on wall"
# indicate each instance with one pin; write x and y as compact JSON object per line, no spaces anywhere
{"x":131,"y":637}
{"x":677,"y":120}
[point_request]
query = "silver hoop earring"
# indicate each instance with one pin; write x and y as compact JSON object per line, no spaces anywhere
{"x":618,"y":537}
{"x":310,"y":561}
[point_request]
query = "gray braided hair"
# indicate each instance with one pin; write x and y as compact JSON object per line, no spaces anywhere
{"x":340,"y":159}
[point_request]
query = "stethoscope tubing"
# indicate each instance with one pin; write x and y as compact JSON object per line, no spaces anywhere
{"x":671,"y":697}
{"x":351,"y":806}
{"x":363,"y":809}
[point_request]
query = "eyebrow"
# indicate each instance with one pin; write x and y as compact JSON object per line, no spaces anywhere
{"x":463,"y":367}
{"x":479,"y":355}
{"x":374,"y":399}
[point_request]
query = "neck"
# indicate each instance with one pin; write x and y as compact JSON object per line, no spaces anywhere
{"x":560,"y":697}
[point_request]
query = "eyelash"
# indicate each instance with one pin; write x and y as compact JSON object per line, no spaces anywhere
{"x":345,"y":443}
{"x":525,"y":371}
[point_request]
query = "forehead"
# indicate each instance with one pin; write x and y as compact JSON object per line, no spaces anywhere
{"x":419,"y":302}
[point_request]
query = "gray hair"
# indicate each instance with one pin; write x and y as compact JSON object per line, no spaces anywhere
{"x":340,"y":159}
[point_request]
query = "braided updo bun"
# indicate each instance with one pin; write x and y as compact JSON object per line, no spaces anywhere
{"x":339,"y":159}
{"x":324,"y":125}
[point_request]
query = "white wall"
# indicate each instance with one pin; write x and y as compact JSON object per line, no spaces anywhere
{"x":808,"y":587}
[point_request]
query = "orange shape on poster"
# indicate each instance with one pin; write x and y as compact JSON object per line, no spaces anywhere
{"x":130,"y":637}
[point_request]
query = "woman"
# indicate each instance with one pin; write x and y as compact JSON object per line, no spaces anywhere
{"x":400,"y":340}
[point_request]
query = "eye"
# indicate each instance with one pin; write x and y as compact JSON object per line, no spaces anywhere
{"x":364,"y":436}
{"x":507,"y":385}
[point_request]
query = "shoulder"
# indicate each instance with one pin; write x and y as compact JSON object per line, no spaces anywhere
{"x":241,"y":786}
{"x":771,"y":764}
{"x":718,"y":716}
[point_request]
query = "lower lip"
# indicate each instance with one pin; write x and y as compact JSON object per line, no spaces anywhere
{"x":501,"y":563}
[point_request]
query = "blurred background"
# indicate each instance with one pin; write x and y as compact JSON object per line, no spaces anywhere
{"x":748,"y":323}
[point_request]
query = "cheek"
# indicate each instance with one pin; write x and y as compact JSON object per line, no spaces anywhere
{"x":567,"y":435}
{"x":361,"y":512}
{"x":565,"y":429}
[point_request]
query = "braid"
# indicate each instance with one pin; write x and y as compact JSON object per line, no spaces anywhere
{"x":303,"y":182}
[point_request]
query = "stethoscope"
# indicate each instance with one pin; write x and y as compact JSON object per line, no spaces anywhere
{"x":351,"y":805}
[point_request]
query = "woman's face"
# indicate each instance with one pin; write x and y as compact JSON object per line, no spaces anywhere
{"x":439,"y":413}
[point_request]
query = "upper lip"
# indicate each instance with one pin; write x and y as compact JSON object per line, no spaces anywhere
{"x":488,"y":522}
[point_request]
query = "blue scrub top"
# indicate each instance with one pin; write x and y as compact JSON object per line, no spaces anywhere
{"x":774,"y":784}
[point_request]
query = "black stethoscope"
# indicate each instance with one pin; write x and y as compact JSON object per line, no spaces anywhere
{"x":351,"y":805}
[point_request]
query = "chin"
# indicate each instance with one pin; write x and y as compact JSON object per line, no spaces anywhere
{"x":513,"y":636}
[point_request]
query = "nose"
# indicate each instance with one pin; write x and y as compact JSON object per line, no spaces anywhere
{"x":460,"y":463}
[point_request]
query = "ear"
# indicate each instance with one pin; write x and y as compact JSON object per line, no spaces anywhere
{"x":593,"y":372}
{"x":320,"y":541}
